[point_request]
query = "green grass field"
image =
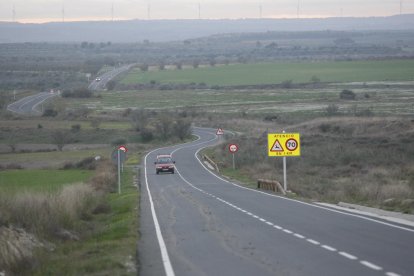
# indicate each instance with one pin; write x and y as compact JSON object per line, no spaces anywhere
{"x":110,"y":249}
{"x":273,"y":73}
{"x":49,"y":181}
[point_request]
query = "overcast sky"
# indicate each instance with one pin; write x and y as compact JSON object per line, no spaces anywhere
{"x":52,"y":10}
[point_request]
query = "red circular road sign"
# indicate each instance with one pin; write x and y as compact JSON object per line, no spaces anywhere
{"x":291,"y":144}
{"x":233,"y":148}
{"x":123,"y":148}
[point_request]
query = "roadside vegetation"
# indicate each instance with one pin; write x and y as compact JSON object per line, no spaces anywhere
{"x":349,"y":94}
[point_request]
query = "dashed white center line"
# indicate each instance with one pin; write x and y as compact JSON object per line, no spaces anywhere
{"x":371,"y":265}
{"x":299,"y":236}
{"x":329,"y":248}
{"x":392,"y":274}
{"x":347,"y":255}
{"x":313,"y":242}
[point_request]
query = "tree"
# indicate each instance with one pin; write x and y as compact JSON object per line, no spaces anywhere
{"x":161,"y":66}
{"x":110,"y":85}
{"x":144,"y":67}
{"x":164,"y":126}
{"x":347,"y":95}
{"x":60,"y":138}
{"x":179,"y":65}
{"x":182,"y":128}
{"x":196,"y":63}
{"x":332,"y":109}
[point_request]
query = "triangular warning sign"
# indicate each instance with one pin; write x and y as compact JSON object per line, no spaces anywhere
{"x":220,"y":131}
{"x":276,"y":147}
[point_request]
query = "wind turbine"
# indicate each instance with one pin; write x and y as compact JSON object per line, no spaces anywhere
{"x":63,"y":11}
{"x":14,"y":13}
{"x":199,"y":11}
{"x":401,"y":6}
{"x":260,"y":11}
{"x":112,"y":11}
{"x":298,"y":9}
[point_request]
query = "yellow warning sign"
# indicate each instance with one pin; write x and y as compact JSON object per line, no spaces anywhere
{"x":283,"y":144}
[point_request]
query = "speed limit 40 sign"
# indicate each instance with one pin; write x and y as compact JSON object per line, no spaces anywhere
{"x":283,"y":144}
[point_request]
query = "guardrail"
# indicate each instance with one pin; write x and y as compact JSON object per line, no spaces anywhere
{"x":271,"y":185}
{"x":212,"y":163}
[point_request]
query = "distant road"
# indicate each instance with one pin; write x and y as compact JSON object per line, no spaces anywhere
{"x":195,"y":222}
{"x":28,"y":105}
{"x":101,"y":81}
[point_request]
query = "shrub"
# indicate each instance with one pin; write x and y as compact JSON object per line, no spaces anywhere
{"x":286,"y":84}
{"x":146,"y":135}
{"x":347,"y":95}
{"x":119,"y":142}
{"x":182,"y":129}
{"x":76,"y":128}
{"x":77,"y":93}
{"x":50,"y":112}
{"x":332,"y":109}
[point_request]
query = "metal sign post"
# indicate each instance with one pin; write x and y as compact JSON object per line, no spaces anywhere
{"x":233,"y":148}
{"x":119,"y":171}
{"x":283,"y":145}
{"x":118,"y":157}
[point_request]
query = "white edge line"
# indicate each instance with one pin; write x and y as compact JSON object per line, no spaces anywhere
{"x":169,"y":271}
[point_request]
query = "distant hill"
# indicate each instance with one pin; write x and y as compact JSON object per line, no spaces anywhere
{"x":172,"y":30}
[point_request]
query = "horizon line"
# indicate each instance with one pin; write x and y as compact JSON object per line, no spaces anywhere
{"x":79,"y":20}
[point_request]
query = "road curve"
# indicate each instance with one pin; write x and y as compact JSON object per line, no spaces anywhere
{"x":196,"y":223}
{"x":101,"y":81}
{"x":28,"y":105}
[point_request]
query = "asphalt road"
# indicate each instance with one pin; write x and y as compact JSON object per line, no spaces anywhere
{"x":195,"y":223}
{"x":29,"y":105}
{"x":106,"y":77}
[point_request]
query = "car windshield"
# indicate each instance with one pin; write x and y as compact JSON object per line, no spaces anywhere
{"x":164,"y":160}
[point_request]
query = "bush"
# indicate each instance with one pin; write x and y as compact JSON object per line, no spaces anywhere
{"x":332,"y":109}
{"x":50,"y":112}
{"x":146,"y":135}
{"x":182,"y":129}
{"x":77,"y":93}
{"x":347,"y":95}
{"x":76,"y":128}
{"x":287,"y":84}
{"x":119,"y":142}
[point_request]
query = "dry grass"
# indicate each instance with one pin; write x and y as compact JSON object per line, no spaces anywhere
{"x":47,"y":216}
{"x":360,"y":160}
